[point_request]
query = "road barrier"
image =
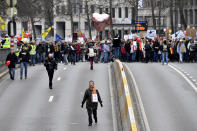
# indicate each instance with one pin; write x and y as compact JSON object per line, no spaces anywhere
{"x":126,"y":106}
{"x":3,"y":55}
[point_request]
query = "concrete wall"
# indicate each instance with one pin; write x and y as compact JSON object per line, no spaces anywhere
{"x":128,"y":119}
{"x":3,"y":55}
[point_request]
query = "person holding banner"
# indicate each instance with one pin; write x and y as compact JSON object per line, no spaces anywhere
{"x":92,"y":97}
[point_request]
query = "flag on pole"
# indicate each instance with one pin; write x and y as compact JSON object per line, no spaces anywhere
{"x":44,"y":34}
{"x":23,"y":33}
{"x":3,"y":24}
{"x":58,"y":38}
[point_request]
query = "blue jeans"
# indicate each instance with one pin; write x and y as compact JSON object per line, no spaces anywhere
{"x":105,"y":57}
{"x":78,"y":57}
{"x":180,"y":57}
{"x":33,"y":59}
{"x":39,"y":57}
{"x":133,"y":56}
{"x":117,"y":52}
{"x":164,"y":57}
{"x":155,"y":59}
{"x":127,"y":56}
{"x":12,"y":72}
{"x":23,"y":65}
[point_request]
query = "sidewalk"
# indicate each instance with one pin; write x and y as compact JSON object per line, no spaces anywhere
{"x":3,"y":70}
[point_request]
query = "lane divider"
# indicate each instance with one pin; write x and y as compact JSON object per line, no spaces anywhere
{"x":59,"y":78}
{"x":51,"y":98}
{"x":128,"y":109}
{"x":184,"y":76}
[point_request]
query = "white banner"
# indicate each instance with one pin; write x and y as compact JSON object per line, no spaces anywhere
{"x":151,"y":34}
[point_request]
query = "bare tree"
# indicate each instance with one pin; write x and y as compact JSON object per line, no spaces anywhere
{"x":152,"y":2}
{"x":181,"y":5}
{"x":3,"y":7}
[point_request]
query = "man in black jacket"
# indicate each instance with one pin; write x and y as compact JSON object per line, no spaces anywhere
{"x":51,"y":66}
{"x":13,"y":60}
{"x":92,"y":97}
{"x":156,"y":47}
{"x":24,"y":57}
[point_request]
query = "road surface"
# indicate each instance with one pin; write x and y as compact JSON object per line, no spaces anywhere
{"x":170,"y":102}
{"x":29,"y":105}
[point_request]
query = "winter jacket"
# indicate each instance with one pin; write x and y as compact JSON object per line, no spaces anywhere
{"x":40,"y":48}
{"x":50,"y":64}
{"x":24,"y":56}
{"x":13,"y":60}
{"x":88,"y":99}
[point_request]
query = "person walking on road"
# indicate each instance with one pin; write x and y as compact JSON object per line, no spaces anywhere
{"x":24,"y":57}
{"x":165,"y":50}
{"x":12,"y":58}
{"x":51,"y":66}
{"x":91,"y":54}
{"x":92,"y":97}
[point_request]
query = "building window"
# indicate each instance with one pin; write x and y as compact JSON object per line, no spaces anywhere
{"x":186,"y":16}
{"x":113,"y":13}
{"x":106,"y":10}
{"x":81,"y":9}
{"x":92,"y":9}
{"x":196,"y":15}
{"x":57,"y":10}
{"x":191,"y":16}
{"x":63,"y":9}
{"x":120,"y":33}
{"x":100,"y":10}
{"x":86,"y":25}
{"x":191,"y":2}
{"x":106,"y":34}
{"x":126,"y":12}
{"x":75,"y":25}
{"x":120,"y":12}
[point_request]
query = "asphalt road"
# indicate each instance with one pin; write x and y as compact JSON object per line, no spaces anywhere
{"x":25,"y":106}
{"x":170,"y":102}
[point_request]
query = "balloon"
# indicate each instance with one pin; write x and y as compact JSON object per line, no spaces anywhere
{"x":185,"y":32}
{"x":167,"y":30}
{"x":161,"y":38}
{"x":153,"y":41}
{"x":156,"y":37}
{"x":170,"y":31}
{"x":139,"y":40}
{"x":19,"y":38}
{"x":136,"y":38}
{"x":7,"y":63}
{"x":27,"y":35}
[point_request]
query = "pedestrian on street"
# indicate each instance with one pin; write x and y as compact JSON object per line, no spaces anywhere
{"x":13,"y":60}
{"x":91,"y":54}
{"x":92,"y":97}
{"x":33,"y":54}
{"x":73,"y":49}
{"x":147,"y":51}
{"x":165,"y":50}
{"x":24,"y":57}
{"x":51,"y":66}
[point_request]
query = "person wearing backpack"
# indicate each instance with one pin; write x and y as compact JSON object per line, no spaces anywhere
{"x":91,"y":54}
{"x":92,"y":97}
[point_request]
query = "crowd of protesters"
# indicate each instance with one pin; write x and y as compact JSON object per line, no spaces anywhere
{"x":132,"y":50}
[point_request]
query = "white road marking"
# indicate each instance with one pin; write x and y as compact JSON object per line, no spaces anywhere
{"x":188,"y":74}
{"x":194,"y":80}
{"x":185,"y":77}
{"x":191,"y":77}
{"x":51,"y":98}
{"x":65,"y":68}
{"x":59,"y":78}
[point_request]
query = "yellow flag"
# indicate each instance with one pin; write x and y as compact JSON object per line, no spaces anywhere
{"x":3,"y":24}
{"x":23,"y":33}
{"x":44,"y":34}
